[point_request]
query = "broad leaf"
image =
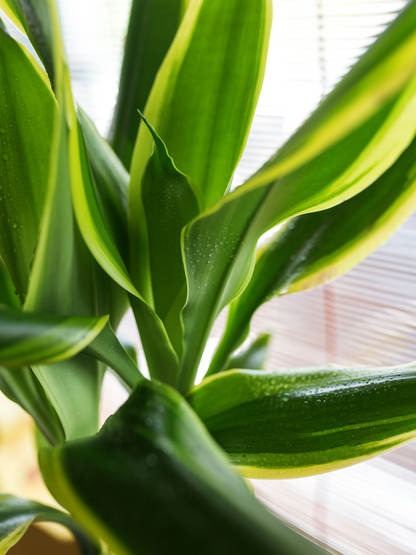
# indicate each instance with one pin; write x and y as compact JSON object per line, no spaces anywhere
{"x":170,"y":201}
{"x":29,"y":107}
{"x":202,"y":104}
{"x":16,"y":515}
{"x":152,"y":27}
{"x":22,"y":387}
{"x":168,"y":489}
{"x":286,"y":424}
{"x":28,"y":338}
{"x":315,"y":248}
{"x":349,"y":159}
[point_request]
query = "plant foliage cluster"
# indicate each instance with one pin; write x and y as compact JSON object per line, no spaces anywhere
{"x":88,"y":229}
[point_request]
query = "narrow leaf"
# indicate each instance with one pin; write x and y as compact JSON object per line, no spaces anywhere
{"x":170,"y":201}
{"x":16,"y":515}
{"x":29,"y":107}
{"x":252,"y":357}
{"x":168,"y":486}
{"x":315,"y":248}
{"x":8,"y":294}
{"x":28,"y":338}
{"x":286,"y":424}
{"x":14,"y":11}
{"x":152,"y":27}
{"x":108,"y":349}
{"x":202,"y":104}
{"x":230,"y":230}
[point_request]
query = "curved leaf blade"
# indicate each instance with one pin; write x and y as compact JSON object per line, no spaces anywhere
{"x":166,"y":465}
{"x":315,"y":248}
{"x":8,"y":294}
{"x":287,"y":424}
{"x":152,"y":27}
{"x":339,"y":172}
{"x":16,"y":515}
{"x":170,"y":201}
{"x":252,"y":357}
{"x":202,"y":104}
{"x":30,"y":107}
{"x":28,"y":338}
{"x":13,"y":10}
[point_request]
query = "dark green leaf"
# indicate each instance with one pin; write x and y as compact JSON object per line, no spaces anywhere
{"x":28,"y":105}
{"x":286,"y":424}
{"x":318,"y":247}
{"x":152,"y":27}
{"x":170,"y":201}
{"x":8,"y":294}
{"x":16,"y":515}
{"x":168,"y":489}
{"x":252,"y":357}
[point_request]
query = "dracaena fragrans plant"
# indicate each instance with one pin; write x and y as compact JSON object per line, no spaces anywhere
{"x":87,"y":230}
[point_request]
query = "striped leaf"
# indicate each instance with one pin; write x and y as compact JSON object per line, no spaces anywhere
{"x":16,"y":515}
{"x":167,"y":485}
{"x":152,"y":27}
{"x":29,"y":338}
{"x":202,"y":104}
{"x":315,"y":248}
{"x":337,"y":164}
{"x":292,"y":423}
{"x":14,"y":11}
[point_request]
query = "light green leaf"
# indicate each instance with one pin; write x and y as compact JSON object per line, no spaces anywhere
{"x":16,"y":515}
{"x":111,"y":180}
{"x":108,"y":349}
{"x":168,"y":486}
{"x":315,"y":248}
{"x":202,"y":105}
{"x":170,"y":201}
{"x":292,"y":423}
{"x":29,"y":107}
{"x":14,"y":11}
{"x":21,"y":386}
{"x":152,"y":27}
{"x":340,"y":171}
{"x":28,"y":338}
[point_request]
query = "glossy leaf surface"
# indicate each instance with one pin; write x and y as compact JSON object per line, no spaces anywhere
{"x":291,"y":423}
{"x":28,"y":338}
{"x":152,"y":27}
{"x":168,"y":486}
{"x":8,"y":294}
{"x":170,"y":201}
{"x":229,"y":231}
{"x":28,"y":106}
{"x":16,"y":515}
{"x":315,"y":248}
{"x":14,"y":11}
{"x":202,"y":104}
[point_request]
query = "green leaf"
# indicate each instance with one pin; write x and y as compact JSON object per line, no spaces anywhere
{"x":111,"y":180}
{"x":170,"y":201}
{"x":202,"y":105}
{"x":315,"y":248}
{"x":108,"y":349}
{"x":16,"y":515}
{"x":8,"y":295}
{"x":28,"y":338}
{"x":252,"y":357}
{"x":29,"y":107}
{"x":152,"y":27}
{"x":21,"y":386}
{"x":14,"y":11}
{"x":168,"y":486}
{"x":229,"y":231}
{"x":286,"y":424}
